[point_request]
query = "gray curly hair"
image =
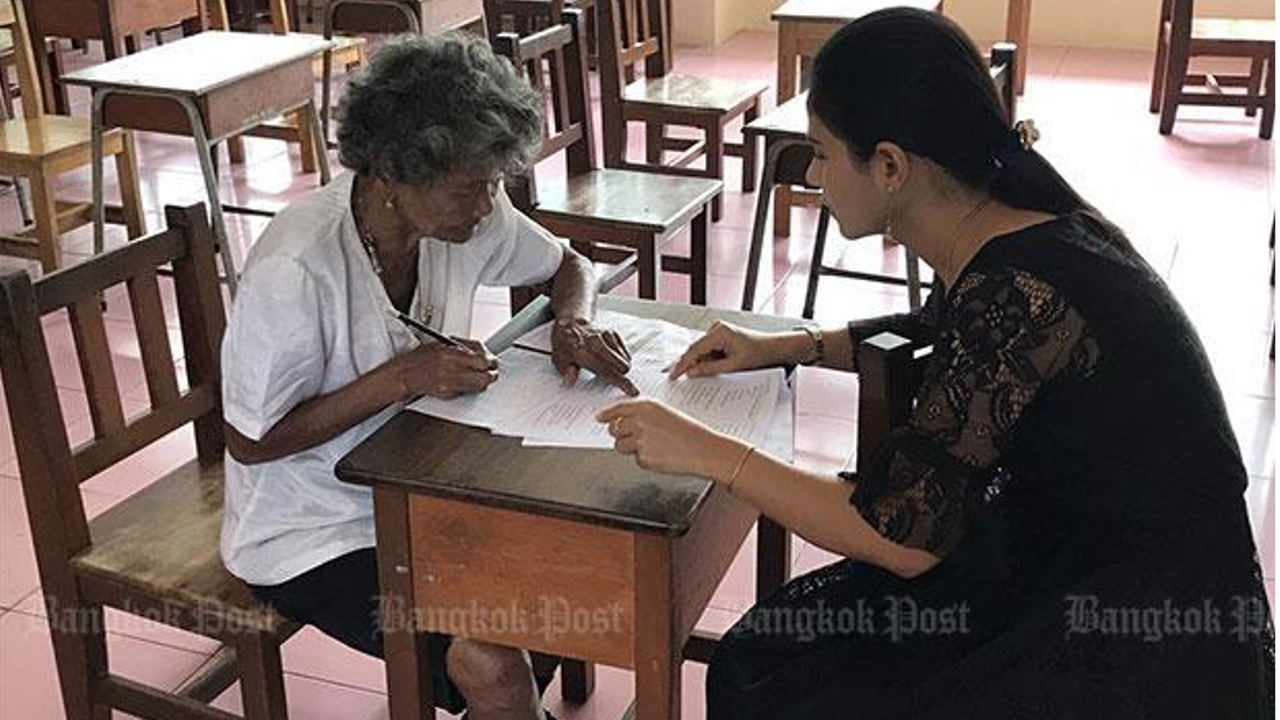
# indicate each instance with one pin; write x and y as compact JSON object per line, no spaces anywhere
{"x":430,"y":105}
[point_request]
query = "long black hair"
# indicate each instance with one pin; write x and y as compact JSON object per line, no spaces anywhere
{"x":914,"y":78}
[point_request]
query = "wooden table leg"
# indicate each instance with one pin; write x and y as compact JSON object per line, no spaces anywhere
{"x":130,"y":195}
{"x":657,"y":652}
{"x":698,"y":258}
{"x":1018,"y":31}
{"x":409,"y":689}
{"x":648,"y":263}
{"x":788,"y":44}
{"x":788,"y":56}
{"x":773,"y":557}
{"x":577,"y":680}
{"x":783,"y":199}
{"x":772,"y":149}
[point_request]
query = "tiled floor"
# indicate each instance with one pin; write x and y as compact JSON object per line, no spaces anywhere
{"x":1197,"y":204}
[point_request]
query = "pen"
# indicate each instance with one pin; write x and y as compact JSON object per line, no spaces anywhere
{"x":426,"y":330}
{"x":532,"y":349}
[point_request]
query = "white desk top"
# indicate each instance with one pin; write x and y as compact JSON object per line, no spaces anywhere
{"x":841,"y":11}
{"x":200,"y":64}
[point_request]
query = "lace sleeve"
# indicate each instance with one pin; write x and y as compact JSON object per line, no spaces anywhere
{"x":1003,"y":336}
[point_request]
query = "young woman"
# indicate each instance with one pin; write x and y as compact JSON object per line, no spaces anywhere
{"x":1059,"y":531}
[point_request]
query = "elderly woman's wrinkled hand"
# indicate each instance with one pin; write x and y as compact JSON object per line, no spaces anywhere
{"x":446,"y":372}
{"x":578,"y":345}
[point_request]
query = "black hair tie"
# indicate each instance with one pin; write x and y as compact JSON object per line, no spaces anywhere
{"x":1020,"y":138}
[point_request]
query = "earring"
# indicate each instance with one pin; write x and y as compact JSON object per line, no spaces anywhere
{"x":888,"y":217}
{"x":389,"y":202}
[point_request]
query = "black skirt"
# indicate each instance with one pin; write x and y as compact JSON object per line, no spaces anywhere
{"x":1168,"y":627}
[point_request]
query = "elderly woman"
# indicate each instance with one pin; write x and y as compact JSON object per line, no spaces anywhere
{"x":1059,"y":530}
{"x":314,"y":359}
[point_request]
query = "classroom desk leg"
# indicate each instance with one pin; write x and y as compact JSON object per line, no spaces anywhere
{"x":773,"y":557}
{"x":658,"y":655}
{"x":409,"y":689}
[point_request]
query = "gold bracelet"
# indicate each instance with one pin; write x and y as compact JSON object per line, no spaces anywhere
{"x":819,"y":347}
{"x":741,"y":463}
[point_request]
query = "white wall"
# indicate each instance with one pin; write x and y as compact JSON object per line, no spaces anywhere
{"x":1124,"y":24}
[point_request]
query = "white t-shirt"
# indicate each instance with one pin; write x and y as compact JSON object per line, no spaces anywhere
{"x":310,"y":317}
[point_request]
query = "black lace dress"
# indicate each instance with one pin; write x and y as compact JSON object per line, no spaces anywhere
{"x":1070,"y":460}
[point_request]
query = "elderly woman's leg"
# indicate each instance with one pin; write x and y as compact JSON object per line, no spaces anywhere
{"x":496,"y":681}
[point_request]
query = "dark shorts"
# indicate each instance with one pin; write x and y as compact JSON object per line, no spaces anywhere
{"x":340,"y":598}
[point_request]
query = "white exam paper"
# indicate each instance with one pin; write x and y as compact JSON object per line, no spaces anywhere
{"x":741,"y":404}
{"x":529,"y":399}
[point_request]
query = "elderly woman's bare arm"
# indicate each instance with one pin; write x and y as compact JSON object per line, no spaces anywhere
{"x":575,"y":341}
{"x":573,"y":288}
{"x":436,"y":370}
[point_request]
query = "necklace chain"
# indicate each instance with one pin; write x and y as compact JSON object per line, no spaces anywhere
{"x":366,"y":240}
{"x":371,"y":248}
{"x":961,"y":228}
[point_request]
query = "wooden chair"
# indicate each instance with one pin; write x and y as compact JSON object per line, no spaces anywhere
{"x":40,"y":147}
{"x":1181,"y":36}
{"x":7,"y":92}
{"x":525,"y":17}
{"x":156,"y":552}
{"x":522,"y":17}
{"x":634,"y":32}
{"x":608,"y":214}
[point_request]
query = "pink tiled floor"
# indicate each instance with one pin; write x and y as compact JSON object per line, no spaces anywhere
{"x":1197,"y":204}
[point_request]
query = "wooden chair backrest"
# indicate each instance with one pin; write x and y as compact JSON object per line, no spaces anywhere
{"x":13,"y":17}
{"x":891,"y":368}
{"x":554,"y":62}
{"x":373,"y":16}
{"x":51,"y":469}
{"x":631,"y":32}
{"x":522,"y":17}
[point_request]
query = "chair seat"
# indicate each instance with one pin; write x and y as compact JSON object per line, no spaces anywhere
{"x":711,"y":95}
{"x":163,"y":542}
{"x":649,"y":202}
{"x":51,"y":137}
{"x":1226,"y":30}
